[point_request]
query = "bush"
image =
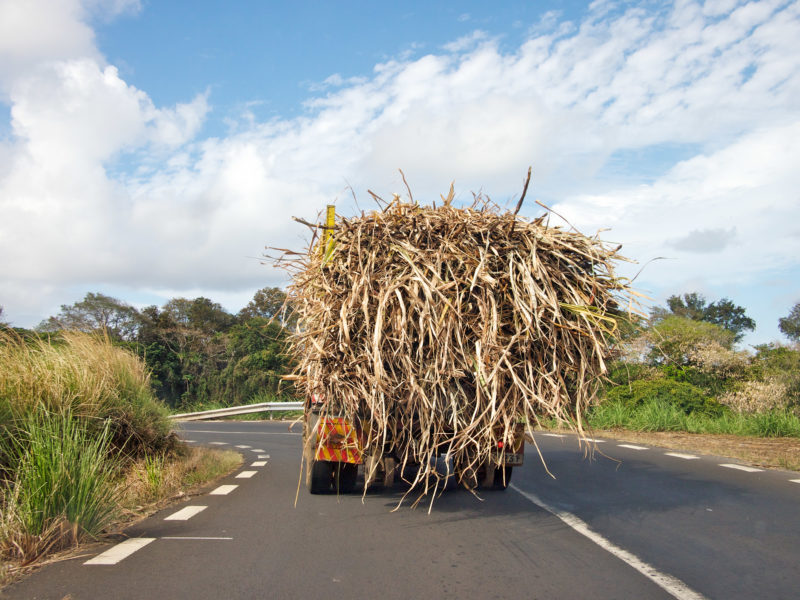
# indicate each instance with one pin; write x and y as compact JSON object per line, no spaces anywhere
{"x":88,"y":377}
{"x":684,"y":396}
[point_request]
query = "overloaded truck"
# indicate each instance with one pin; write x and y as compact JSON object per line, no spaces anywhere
{"x":431,"y":337}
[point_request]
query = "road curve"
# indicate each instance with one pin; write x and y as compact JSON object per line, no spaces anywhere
{"x":625,"y":522}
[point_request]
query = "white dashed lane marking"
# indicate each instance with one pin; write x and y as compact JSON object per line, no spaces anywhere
{"x":553,"y":435}
{"x":189,"y":441}
{"x":243,"y":447}
{"x":246,"y":474}
{"x":185,"y":513}
{"x":263,"y":456}
{"x":741,"y":468}
{"x":259,"y":463}
{"x":594,"y":441}
{"x":222,"y":490}
{"x":683,"y":456}
{"x":633,"y":447}
{"x":123,"y":550}
{"x":219,"y":443}
{"x":795,"y":480}
{"x":257,"y":450}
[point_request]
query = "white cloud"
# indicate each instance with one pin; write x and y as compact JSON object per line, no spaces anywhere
{"x":722,"y":76}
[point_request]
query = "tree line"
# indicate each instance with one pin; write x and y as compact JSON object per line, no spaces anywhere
{"x":197,"y":352}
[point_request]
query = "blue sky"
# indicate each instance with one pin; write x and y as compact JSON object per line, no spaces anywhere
{"x":153,"y":149}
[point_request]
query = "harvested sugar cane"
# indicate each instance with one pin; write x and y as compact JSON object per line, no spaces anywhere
{"x":437,"y":328}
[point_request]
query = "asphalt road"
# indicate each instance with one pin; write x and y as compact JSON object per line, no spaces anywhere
{"x":624,"y":523}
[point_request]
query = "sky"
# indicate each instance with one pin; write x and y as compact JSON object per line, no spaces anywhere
{"x":152,"y":150}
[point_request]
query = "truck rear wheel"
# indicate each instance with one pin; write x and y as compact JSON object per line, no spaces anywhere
{"x":344,"y":477}
{"x":319,"y":476}
{"x":496,"y":478}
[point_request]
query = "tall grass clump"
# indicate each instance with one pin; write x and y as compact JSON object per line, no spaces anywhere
{"x":84,"y":375}
{"x":63,"y":487}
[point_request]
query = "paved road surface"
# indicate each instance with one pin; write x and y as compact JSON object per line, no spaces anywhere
{"x":658,"y":526}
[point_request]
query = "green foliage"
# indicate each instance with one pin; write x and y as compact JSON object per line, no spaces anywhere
{"x":684,"y":396}
{"x":693,"y":306}
{"x":790,"y":324}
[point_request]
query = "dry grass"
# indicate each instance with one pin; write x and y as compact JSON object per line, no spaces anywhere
{"x":777,"y":453}
{"x":87,"y":376}
{"x":151,"y":481}
{"x":438,"y":328}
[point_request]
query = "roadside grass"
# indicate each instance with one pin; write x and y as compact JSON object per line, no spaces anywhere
{"x":63,"y":489}
{"x":658,"y":415}
{"x":149,"y":481}
{"x":84,"y":446}
{"x":87,"y":376}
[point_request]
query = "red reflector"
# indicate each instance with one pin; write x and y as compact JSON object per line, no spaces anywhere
{"x":499,"y":444}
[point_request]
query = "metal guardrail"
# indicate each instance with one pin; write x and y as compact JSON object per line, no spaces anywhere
{"x":238,"y":410}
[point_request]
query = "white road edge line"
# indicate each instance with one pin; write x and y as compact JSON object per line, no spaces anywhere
{"x":741,"y":468}
{"x":185,"y":513}
{"x":246,"y":474}
{"x":222,"y":490}
{"x":258,"y":463}
{"x":188,"y":537}
{"x":633,"y":447}
{"x":683,"y":456}
{"x":122,"y":550}
{"x":671,"y":585}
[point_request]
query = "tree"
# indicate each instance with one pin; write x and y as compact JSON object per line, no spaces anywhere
{"x":674,"y":338}
{"x":269,"y":302}
{"x":694,"y":306}
{"x":790,"y":325}
{"x":96,"y":312}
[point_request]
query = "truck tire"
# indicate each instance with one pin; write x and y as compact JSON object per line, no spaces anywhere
{"x":345,"y":475}
{"x":497,"y":478}
{"x":319,"y":476}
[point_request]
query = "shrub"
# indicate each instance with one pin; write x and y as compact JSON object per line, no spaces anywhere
{"x":87,"y":376}
{"x":63,"y":487}
{"x":685,"y":396}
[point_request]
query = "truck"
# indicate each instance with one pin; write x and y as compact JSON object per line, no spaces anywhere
{"x":333,"y":449}
{"x":334,"y":446}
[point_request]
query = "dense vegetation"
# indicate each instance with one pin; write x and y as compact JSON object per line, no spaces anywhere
{"x":680,"y":369}
{"x":82,"y":440}
{"x":196,"y":351}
